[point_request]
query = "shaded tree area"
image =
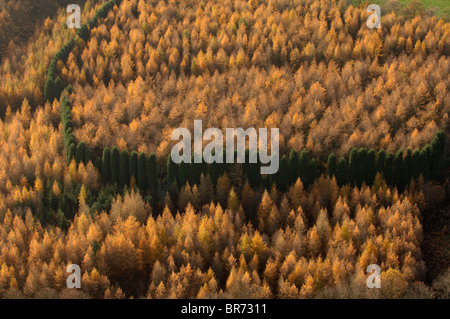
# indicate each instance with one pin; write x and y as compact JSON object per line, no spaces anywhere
{"x":19,"y":19}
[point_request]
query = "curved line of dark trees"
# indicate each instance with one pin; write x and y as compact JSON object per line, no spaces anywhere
{"x":122,"y":167}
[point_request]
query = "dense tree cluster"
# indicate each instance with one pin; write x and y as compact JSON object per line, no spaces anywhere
{"x":315,"y":71}
{"x":302,"y":245}
{"x":363,"y":115}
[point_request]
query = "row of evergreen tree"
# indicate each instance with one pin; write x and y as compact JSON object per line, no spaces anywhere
{"x":53,"y":83}
{"x":80,"y":152}
{"x":398,"y":169}
{"x":66,"y":120}
{"x":122,"y":167}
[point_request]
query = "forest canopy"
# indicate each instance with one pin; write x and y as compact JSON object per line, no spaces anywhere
{"x":85,"y":177}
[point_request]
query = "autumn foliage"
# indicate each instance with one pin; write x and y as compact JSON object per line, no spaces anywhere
{"x":85,"y":176}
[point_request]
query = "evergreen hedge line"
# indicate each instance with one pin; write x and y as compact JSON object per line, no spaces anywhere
{"x":398,"y":169}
